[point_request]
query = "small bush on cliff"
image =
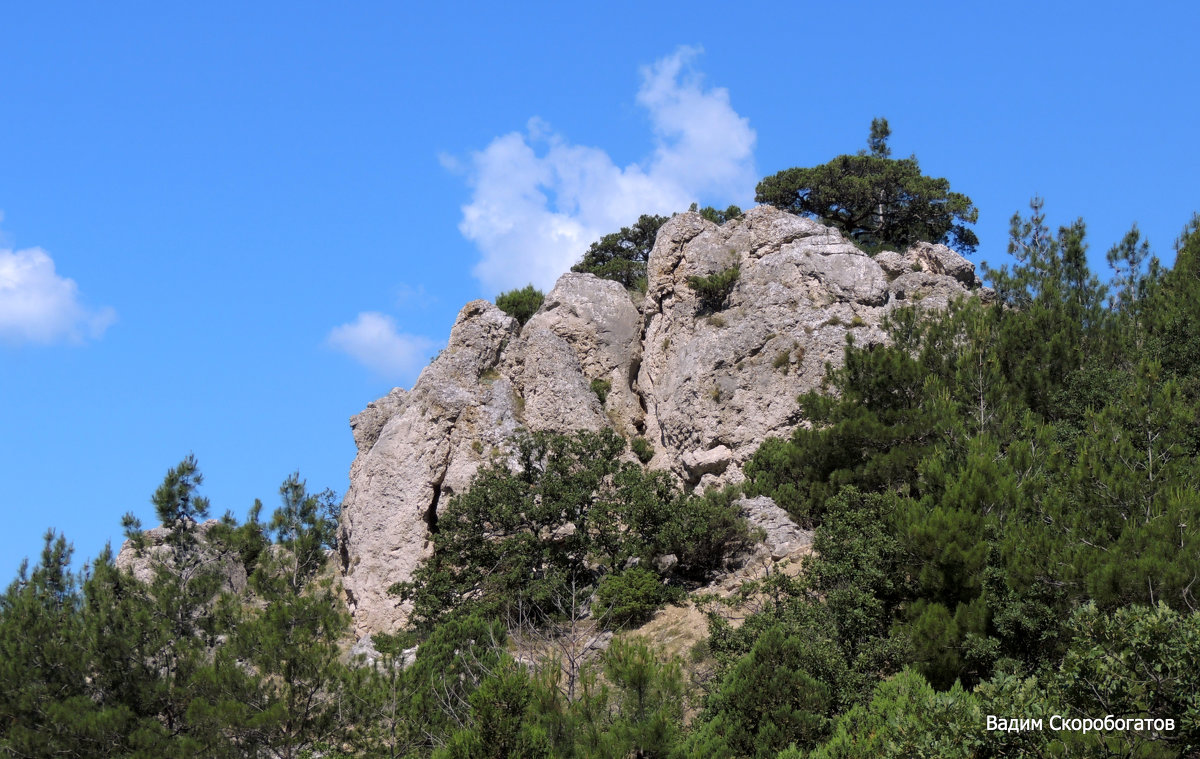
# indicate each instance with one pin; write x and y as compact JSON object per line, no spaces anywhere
{"x":715,"y":288}
{"x":632,"y":597}
{"x":642,"y":449}
{"x":521,"y":304}
{"x":717,"y":216}
{"x":601,"y":387}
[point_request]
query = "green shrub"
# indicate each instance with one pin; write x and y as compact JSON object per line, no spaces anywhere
{"x":521,"y":304}
{"x":703,"y":530}
{"x":601,"y":387}
{"x":631,"y":597}
{"x":715,"y":288}
{"x":536,"y":553}
{"x":642,"y":449}
{"x":781,"y":361}
{"x":717,"y":216}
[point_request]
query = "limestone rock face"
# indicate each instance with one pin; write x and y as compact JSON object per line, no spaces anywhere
{"x":725,"y":381}
{"x":431,"y":444}
{"x":782,"y":536}
{"x":704,"y":386}
{"x":587,"y":329}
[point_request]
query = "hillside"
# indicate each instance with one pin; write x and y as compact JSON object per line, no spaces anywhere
{"x":792,"y":501}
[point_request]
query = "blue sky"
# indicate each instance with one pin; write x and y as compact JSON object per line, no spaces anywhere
{"x":227,"y":228}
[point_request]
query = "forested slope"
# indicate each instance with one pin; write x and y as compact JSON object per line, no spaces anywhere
{"x":1005,"y":564}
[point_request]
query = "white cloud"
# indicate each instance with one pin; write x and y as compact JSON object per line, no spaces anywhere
{"x":373,"y":340}
{"x":39,"y":306}
{"x":538,"y":200}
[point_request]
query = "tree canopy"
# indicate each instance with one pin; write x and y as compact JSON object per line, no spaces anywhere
{"x":621,"y":256}
{"x":878,"y":201}
{"x":538,"y":538}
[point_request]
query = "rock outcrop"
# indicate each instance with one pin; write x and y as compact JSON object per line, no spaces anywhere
{"x":705,"y":386}
{"x":781,"y":537}
{"x":155,"y":554}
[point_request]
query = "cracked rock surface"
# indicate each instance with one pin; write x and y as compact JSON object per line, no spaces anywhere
{"x":704,"y":386}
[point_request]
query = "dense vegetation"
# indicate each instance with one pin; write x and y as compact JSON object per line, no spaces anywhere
{"x":1004,"y":508}
{"x":1006,"y":524}
{"x":98,"y":663}
{"x":569,"y":520}
{"x":876,"y":200}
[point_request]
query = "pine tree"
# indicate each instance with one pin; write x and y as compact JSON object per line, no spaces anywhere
{"x":169,"y":628}
{"x":291,"y":639}
{"x":43,"y":694}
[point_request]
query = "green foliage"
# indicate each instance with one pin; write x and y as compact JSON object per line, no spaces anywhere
{"x":178,"y":666}
{"x":42,"y":664}
{"x":534,"y":540}
{"x":629,"y":703}
{"x":878,"y":201}
{"x":642,"y":449}
{"x":715,"y":216}
{"x":1032,"y":455}
{"x":714,"y":289}
{"x":521,"y":304}
{"x":648,"y":701}
{"x":701,"y":531}
{"x":907,"y":718}
{"x":1138,"y":661}
{"x":775,"y":696}
{"x":631,"y":597}
{"x":621,"y":256}
{"x":602,"y":387}
{"x":291,"y":638}
{"x":877,"y":139}
{"x":498,"y":727}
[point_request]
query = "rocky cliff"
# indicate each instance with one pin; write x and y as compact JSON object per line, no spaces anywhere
{"x":705,"y":387}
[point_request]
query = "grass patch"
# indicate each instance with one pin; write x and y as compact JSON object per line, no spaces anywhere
{"x":601,"y":387}
{"x":782,"y":359}
{"x":642,"y":449}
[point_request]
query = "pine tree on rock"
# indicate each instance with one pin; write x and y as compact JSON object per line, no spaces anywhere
{"x":878,"y":201}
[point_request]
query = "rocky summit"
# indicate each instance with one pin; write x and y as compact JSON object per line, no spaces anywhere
{"x":703,"y":383}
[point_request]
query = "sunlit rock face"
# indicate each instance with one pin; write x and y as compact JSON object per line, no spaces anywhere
{"x":704,"y":385}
